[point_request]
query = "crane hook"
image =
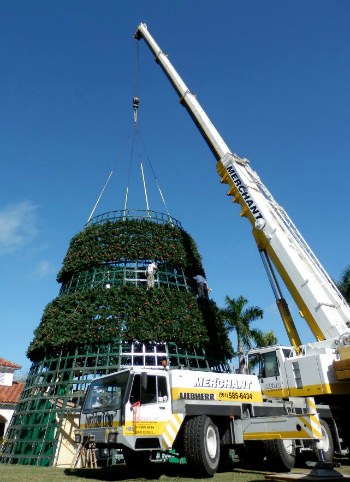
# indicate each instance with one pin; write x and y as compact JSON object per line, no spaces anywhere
{"x":135,"y":104}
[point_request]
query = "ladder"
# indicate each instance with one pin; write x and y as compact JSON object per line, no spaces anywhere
{"x":86,"y":454}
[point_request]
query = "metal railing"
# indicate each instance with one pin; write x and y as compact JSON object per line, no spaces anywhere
{"x":137,"y":214}
{"x":121,"y":274}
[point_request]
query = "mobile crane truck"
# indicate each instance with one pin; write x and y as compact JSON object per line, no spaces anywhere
{"x":201,"y":414}
{"x":151,"y":413}
{"x":321,"y":368}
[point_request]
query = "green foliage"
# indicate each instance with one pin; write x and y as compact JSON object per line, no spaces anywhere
{"x":130,"y":313}
{"x":266,"y":338}
{"x":130,"y":239}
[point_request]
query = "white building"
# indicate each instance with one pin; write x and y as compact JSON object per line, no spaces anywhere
{"x":10,"y":393}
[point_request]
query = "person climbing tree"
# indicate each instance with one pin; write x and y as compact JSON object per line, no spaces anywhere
{"x":202,"y":287}
{"x":152,"y":268}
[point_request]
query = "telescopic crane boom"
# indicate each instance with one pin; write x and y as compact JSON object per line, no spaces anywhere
{"x":318,"y":299}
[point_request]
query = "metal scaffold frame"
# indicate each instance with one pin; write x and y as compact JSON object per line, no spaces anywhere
{"x":56,"y":387}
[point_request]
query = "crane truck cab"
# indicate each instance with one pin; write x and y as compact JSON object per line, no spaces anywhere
{"x":280,"y":376}
{"x":269,"y":365}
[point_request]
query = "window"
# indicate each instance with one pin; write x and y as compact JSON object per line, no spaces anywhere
{"x":107,"y":393}
{"x":270,"y":365}
{"x":153,"y":390}
{"x":286,"y":352}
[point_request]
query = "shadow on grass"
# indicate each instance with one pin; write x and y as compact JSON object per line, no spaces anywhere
{"x":173,"y":471}
{"x":232,"y":471}
{"x":122,"y":472}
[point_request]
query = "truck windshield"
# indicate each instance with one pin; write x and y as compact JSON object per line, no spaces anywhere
{"x":106,"y":393}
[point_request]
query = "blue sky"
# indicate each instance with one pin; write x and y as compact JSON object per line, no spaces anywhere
{"x":273,"y":77}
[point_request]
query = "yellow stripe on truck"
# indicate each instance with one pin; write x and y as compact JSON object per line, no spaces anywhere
{"x":337,"y":388}
{"x":171,"y":430}
{"x":144,"y":428}
{"x":211,"y":394}
{"x":99,"y":425}
{"x":307,"y":428}
{"x":295,"y":434}
{"x":314,"y":426}
{"x":311,"y":405}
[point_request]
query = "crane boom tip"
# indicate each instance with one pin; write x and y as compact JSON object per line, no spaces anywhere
{"x":137,"y":34}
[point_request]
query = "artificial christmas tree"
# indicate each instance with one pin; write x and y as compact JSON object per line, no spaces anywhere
{"x":105,"y":318}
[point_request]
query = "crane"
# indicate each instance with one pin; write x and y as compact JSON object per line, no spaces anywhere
{"x":311,"y":369}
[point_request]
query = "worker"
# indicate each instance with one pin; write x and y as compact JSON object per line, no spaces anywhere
{"x":202,"y":287}
{"x":242,"y":366}
{"x":152,"y":268}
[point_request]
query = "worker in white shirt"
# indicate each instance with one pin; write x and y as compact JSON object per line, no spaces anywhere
{"x":202,"y":287}
{"x":152,"y":268}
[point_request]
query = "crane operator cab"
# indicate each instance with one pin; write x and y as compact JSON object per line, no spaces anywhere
{"x":269,"y":365}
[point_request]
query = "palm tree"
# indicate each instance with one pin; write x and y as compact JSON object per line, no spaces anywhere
{"x":267,"y":338}
{"x":344,"y":284}
{"x":238,"y":317}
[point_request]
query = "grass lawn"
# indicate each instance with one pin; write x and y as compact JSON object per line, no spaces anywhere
{"x":164,"y":473}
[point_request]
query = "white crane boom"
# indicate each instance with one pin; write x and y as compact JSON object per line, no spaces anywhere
{"x":318,"y":299}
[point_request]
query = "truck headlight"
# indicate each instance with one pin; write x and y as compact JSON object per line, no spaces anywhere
{"x":112,"y":438}
{"x":77,"y":438}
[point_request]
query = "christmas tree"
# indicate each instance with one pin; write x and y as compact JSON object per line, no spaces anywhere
{"x":106,"y":317}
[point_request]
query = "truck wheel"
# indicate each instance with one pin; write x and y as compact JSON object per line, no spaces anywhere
{"x":280,"y":454}
{"x":202,"y":445}
{"x":328,"y":449}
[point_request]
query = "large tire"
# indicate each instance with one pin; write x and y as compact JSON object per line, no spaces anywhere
{"x":328,"y":446}
{"x":280,"y":454}
{"x":202,"y":445}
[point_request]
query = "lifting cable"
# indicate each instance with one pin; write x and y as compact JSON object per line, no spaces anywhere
{"x":136,"y":101}
{"x":135,"y":105}
{"x":138,"y":141}
{"x":157,"y":183}
{"x":99,"y":197}
{"x":129,"y":174}
{"x":144,"y":186}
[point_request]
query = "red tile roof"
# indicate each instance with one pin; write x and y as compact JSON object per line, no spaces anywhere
{"x":9,"y":364}
{"x":11,"y":394}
